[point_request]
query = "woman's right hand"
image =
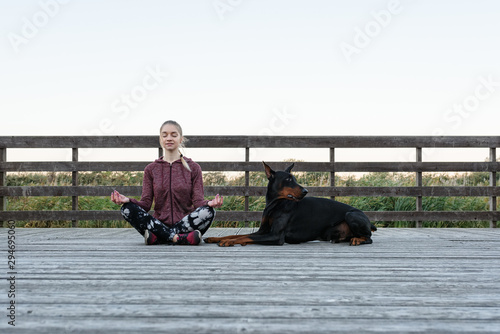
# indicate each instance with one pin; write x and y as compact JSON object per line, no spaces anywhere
{"x":118,"y":198}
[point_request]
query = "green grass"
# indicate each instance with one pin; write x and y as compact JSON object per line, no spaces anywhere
{"x":236,"y":203}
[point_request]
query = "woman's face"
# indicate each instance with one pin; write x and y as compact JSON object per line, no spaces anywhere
{"x":170,"y":137}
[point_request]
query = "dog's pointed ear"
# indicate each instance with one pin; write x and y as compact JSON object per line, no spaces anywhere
{"x":288,"y":170}
{"x":269,"y":171}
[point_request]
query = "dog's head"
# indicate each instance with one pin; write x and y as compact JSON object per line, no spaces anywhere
{"x":282,"y":184}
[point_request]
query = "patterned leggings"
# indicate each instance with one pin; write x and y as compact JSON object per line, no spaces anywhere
{"x":200,"y":219}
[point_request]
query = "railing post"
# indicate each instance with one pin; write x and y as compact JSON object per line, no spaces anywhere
{"x":332,"y":172}
{"x":418,"y":223}
{"x":74,"y":176}
{"x":3,"y":201}
{"x":247,"y":184}
{"x":493,"y":183}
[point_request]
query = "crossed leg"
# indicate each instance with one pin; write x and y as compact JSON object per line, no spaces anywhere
{"x":200,"y":219}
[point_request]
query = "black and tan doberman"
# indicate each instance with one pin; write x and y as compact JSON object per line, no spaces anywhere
{"x":291,"y":217}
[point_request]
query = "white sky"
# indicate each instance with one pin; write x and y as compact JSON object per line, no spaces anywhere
{"x":231,"y":67}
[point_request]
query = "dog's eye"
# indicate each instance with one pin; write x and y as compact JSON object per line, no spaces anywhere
{"x":289,"y":179}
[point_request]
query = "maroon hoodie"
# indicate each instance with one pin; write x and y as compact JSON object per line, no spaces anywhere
{"x":176,"y":191}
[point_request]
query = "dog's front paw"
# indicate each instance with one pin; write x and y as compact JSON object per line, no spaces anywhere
{"x":226,"y":243}
{"x":212,"y":240}
{"x":360,"y":241}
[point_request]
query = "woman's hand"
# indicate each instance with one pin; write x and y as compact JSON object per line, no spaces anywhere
{"x":118,"y":198}
{"x":216,"y":202}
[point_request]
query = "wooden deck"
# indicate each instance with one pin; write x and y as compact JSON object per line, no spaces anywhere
{"x":108,"y":281}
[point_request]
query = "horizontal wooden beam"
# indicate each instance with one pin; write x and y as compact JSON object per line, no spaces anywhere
{"x":252,"y":141}
{"x":73,"y":166}
{"x":256,"y":215}
{"x":222,"y":166}
{"x":485,"y":191}
{"x":68,"y":190}
{"x":433,"y":215}
{"x":109,"y":215}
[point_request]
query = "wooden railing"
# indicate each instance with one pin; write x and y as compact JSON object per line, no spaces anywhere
{"x":419,"y":143}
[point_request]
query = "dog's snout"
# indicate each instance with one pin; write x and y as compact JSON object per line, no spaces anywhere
{"x":304,"y":191}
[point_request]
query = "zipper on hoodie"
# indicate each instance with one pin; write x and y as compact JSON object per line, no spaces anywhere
{"x":171,"y":195}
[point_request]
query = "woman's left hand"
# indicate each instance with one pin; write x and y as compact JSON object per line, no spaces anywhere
{"x":216,"y":202}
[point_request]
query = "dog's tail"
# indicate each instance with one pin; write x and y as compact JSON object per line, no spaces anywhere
{"x":373,"y":227}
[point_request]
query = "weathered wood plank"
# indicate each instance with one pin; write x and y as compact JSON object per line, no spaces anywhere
{"x":231,"y":166}
{"x":256,"y":215}
{"x":79,"y":141}
{"x":68,"y":190}
{"x":110,"y":215}
{"x":432,"y":215}
{"x":108,"y":281}
{"x":72,"y":166}
{"x":253,"y":141}
{"x":201,"y":324}
{"x":485,"y":191}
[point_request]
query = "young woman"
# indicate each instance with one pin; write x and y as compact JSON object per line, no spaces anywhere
{"x":174,"y":182}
